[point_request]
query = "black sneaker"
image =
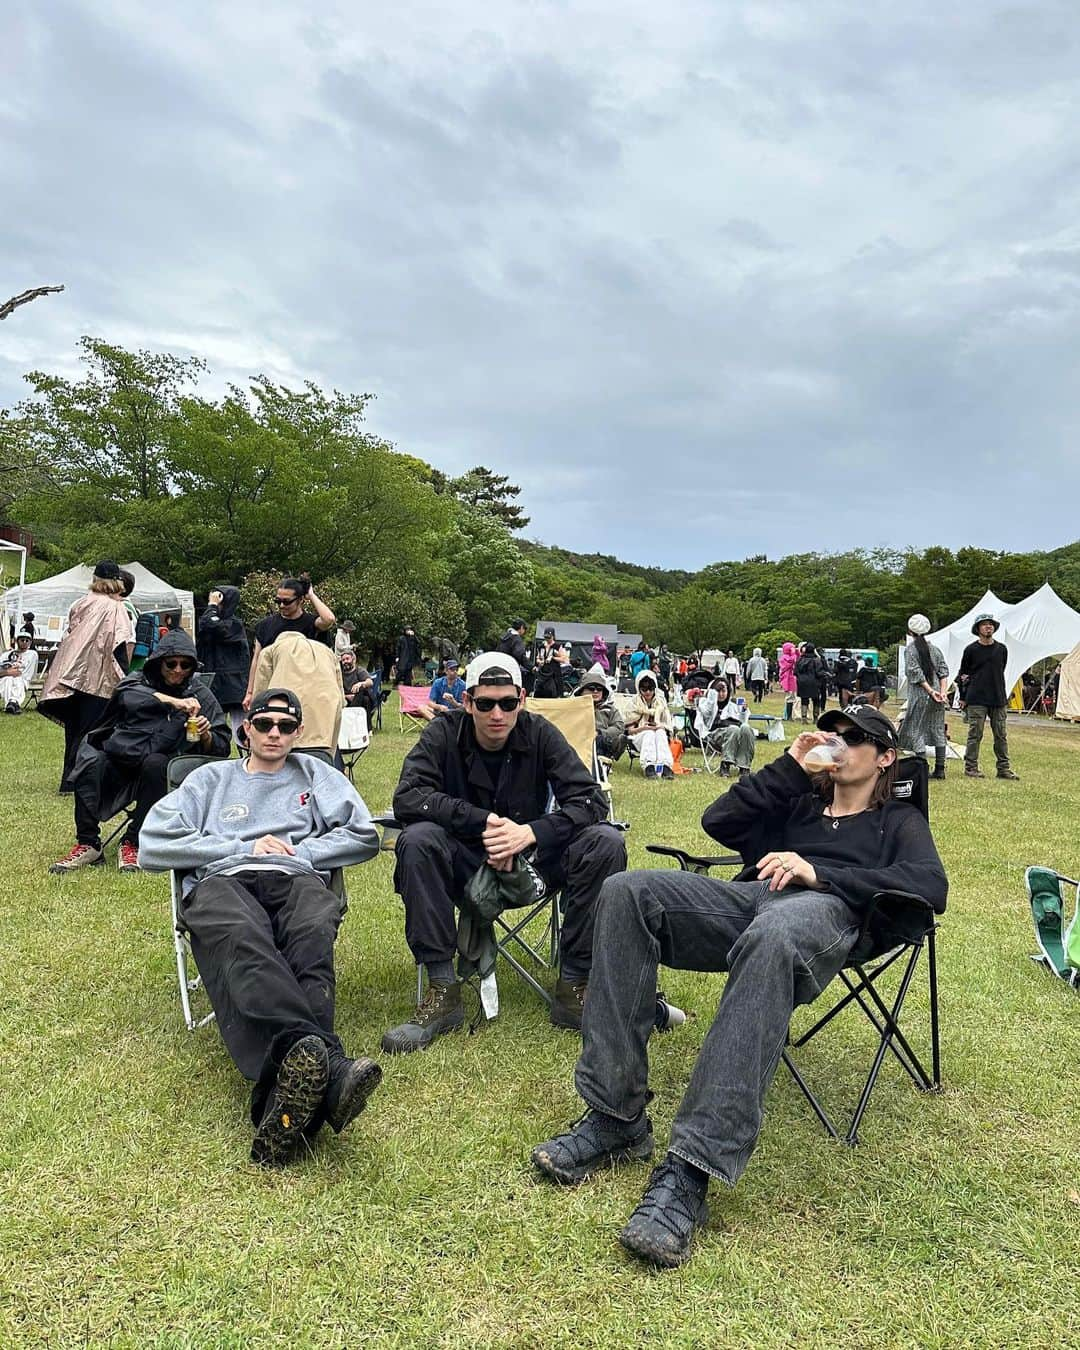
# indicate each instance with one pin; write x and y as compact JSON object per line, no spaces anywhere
{"x":1008,"y":773}
{"x":974,"y":773}
{"x":668,"y":772}
{"x":439,"y":1012}
{"x":660,"y":1230}
{"x":594,"y":1142}
{"x":568,"y":1004}
{"x":297,"y":1095}
{"x":352,"y":1083}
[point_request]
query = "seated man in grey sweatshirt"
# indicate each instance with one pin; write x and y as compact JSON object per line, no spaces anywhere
{"x":257,"y":840}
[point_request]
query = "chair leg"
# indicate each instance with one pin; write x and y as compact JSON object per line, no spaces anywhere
{"x":815,"y":1105}
{"x":935,"y":1036}
{"x":879,"y":1058}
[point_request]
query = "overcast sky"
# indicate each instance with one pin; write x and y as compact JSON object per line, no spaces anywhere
{"x":706,"y":279}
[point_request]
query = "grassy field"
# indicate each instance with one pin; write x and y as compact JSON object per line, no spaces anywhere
{"x":132,"y":1217}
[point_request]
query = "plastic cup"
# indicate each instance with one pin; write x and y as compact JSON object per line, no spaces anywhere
{"x":831,"y":751}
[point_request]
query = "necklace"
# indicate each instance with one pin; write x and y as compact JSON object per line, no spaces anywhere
{"x":837,"y":819}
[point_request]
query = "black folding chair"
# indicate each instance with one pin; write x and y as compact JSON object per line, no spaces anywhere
{"x":895,"y":931}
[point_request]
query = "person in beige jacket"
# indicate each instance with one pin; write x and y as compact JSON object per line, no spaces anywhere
{"x":311,"y":668}
{"x":648,"y":725}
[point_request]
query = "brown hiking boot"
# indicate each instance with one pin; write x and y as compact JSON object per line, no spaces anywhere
{"x":974,"y":773}
{"x":440,"y":1012}
{"x":568,"y":1004}
{"x":1008,"y":773}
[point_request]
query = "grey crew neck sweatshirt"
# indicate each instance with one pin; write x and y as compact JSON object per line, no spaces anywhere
{"x":211,"y":821}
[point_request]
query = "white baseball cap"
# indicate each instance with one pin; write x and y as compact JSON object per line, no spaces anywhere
{"x":487,"y":662}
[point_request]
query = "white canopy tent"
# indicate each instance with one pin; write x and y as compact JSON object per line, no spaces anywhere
{"x":52,"y":598}
{"x":1042,"y":625}
{"x":10,"y":621}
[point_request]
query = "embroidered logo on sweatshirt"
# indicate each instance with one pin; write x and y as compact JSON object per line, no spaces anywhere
{"x":237,"y":811}
{"x":304,"y":798}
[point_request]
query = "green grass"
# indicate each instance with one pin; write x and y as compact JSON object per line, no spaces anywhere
{"x":132,"y":1217}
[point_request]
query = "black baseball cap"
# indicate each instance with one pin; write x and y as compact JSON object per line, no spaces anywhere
{"x":271,"y":700}
{"x":871,"y":720}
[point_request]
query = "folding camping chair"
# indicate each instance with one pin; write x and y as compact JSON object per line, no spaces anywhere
{"x":531,"y":933}
{"x":412,"y":697}
{"x":354,"y":738}
{"x":1059,"y":945}
{"x":190,"y":983}
{"x":895,"y":930}
{"x":379,"y":695}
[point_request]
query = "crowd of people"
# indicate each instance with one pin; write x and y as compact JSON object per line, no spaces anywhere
{"x":495,"y":809}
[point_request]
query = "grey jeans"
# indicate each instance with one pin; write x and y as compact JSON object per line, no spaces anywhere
{"x":779,"y":949}
{"x":977,"y":714}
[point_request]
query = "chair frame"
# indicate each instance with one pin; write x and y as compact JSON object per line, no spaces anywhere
{"x":917,"y":926}
{"x":358,"y":736}
{"x":185,"y":961}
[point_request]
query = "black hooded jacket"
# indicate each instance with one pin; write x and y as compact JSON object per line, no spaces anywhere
{"x":224,"y":649}
{"x":136,"y":724}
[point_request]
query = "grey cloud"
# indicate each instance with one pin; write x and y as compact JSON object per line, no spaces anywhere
{"x":768,"y":262}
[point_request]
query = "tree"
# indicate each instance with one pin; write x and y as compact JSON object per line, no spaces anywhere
{"x":696,"y":618}
{"x":487,"y":572}
{"x":484,"y":490}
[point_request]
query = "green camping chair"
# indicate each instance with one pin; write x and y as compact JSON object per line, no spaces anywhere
{"x":1059,"y":947}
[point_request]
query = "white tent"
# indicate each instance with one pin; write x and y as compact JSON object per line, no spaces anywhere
{"x":53,"y":597}
{"x":1032,"y":629}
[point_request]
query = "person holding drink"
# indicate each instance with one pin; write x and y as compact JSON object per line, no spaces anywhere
{"x":816,"y":847}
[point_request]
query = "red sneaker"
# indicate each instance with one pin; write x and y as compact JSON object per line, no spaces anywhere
{"x":82,"y":855}
{"x":128,"y":858}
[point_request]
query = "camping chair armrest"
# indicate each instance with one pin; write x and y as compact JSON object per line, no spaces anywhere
{"x":893,"y":918}
{"x":689,"y":862}
{"x":387,"y":820}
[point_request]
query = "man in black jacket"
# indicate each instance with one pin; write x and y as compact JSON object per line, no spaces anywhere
{"x":475,"y":789}
{"x":816,"y":850}
{"x":512,"y":643}
{"x":155,"y":713}
{"x":983,"y":696}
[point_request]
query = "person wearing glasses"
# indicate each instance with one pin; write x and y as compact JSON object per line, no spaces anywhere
{"x":289,"y":616}
{"x":257,"y":840}
{"x":155,"y":713}
{"x":817,"y":846}
{"x":475,"y":789}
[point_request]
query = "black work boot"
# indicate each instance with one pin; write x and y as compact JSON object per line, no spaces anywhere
{"x":939,"y":763}
{"x":298,"y":1093}
{"x":568,"y":1004}
{"x":439,"y":1012}
{"x":352,"y":1081}
{"x":593,"y":1142}
{"x":661,"y":1228}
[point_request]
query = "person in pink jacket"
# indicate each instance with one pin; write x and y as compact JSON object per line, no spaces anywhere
{"x":789,"y":654}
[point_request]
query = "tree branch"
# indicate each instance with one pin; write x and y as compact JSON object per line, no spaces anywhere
{"x":10,"y":306}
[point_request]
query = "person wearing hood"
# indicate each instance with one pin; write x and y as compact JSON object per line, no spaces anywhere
{"x":156,"y":713}
{"x":728,"y":733}
{"x":600,"y":654}
{"x":789,"y":656}
{"x":648,"y":724}
{"x":610,"y":731}
{"x":224,"y":651}
{"x":983,"y":696}
{"x":757,"y":674}
{"x":844,"y":675}
{"x":811,"y":680}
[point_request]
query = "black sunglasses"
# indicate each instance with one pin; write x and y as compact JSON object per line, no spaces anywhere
{"x":508,"y":703}
{"x":264,"y":725}
{"x":178,"y":664}
{"x":853,"y":736}
{"x":286,"y":599}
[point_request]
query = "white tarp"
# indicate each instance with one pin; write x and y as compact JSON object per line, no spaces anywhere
{"x":1068,"y":699}
{"x":1042,"y":625}
{"x":53,"y":597}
